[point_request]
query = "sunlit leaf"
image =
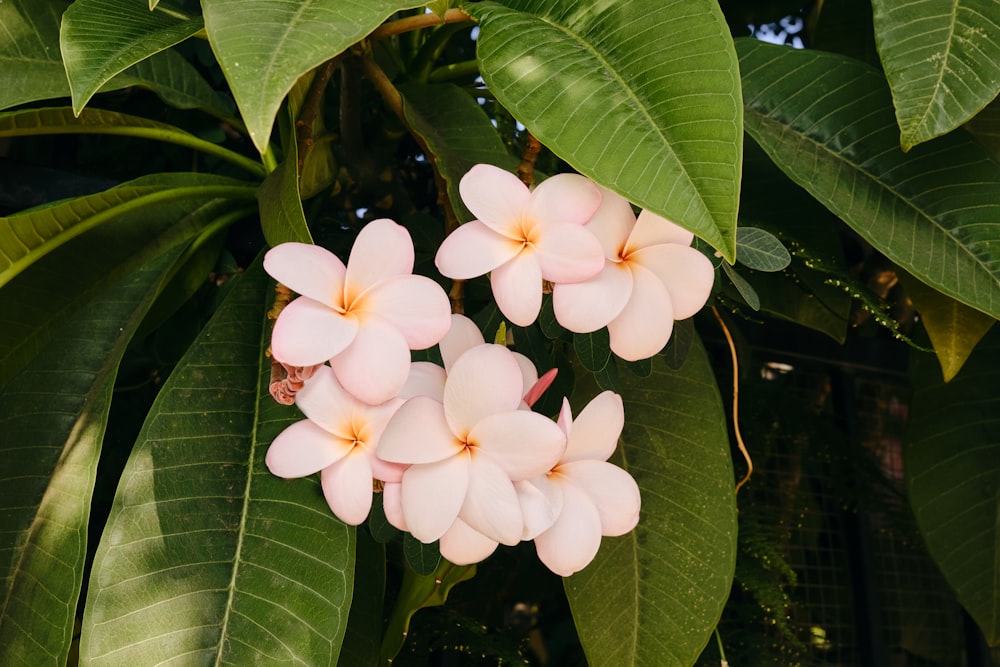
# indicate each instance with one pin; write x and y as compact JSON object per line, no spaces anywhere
{"x":51,"y":446}
{"x":942,"y":60}
{"x":760,"y":250}
{"x":206,"y":556}
{"x":653,"y":596}
{"x":264,"y":46}
{"x":952,"y":458}
{"x":641,"y":96}
{"x":934,"y":210}
{"x":100,"y":38}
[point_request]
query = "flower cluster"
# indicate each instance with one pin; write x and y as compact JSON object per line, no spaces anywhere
{"x":456,"y":449}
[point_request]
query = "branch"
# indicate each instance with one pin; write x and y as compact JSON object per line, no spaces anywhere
{"x":416,"y":22}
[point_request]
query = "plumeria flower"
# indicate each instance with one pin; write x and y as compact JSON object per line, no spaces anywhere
{"x":522,"y":237}
{"x":568,"y":509}
{"x":651,"y":277}
{"x":363,"y":318}
{"x":465,"y":451}
{"x":338,"y":439}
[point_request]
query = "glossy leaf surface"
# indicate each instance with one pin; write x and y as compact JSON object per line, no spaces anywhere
{"x":230,"y":564}
{"x":653,"y":596}
{"x":656,"y":120}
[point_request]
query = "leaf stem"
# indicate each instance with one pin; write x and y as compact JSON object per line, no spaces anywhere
{"x":310,"y":109}
{"x":409,"y":23}
{"x":453,"y":71}
{"x":736,"y":400}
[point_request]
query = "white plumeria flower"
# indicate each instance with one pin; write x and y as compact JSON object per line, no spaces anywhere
{"x":651,"y":277}
{"x":522,"y":237}
{"x":583,"y":497}
{"x":338,"y":439}
{"x":363,"y":318}
{"x":466,"y":451}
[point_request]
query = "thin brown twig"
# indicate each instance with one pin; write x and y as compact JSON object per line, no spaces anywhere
{"x":310,"y":109}
{"x":416,"y":22}
{"x":736,"y":400}
{"x":526,"y":170}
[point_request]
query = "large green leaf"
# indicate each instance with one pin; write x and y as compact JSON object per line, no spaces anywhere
{"x":282,"y":218}
{"x":942,"y":60}
{"x":206,"y":557}
{"x":456,"y":131}
{"x":53,"y":417}
{"x":67,"y":277}
{"x":641,"y":96}
{"x":654,"y":596}
{"x":986,"y":128}
{"x":100,"y":38}
{"x":264,"y":46}
{"x":825,"y":121}
{"x":952,"y":458}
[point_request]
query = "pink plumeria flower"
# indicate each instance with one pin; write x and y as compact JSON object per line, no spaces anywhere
{"x":522,"y":237}
{"x":651,"y":277}
{"x":466,"y":451}
{"x":338,"y":440}
{"x":568,"y":509}
{"x":364,"y":318}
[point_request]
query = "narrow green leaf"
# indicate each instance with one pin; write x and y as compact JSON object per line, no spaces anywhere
{"x":176,"y":81}
{"x":653,"y":596}
{"x":952,"y":458}
{"x":207,"y":557}
{"x":933,"y":211}
{"x":745,"y":289}
{"x":264,"y":46}
{"x":641,"y":96}
{"x":456,"y":131}
{"x":954,"y":328}
{"x":53,"y":416}
{"x":282,"y":218}
{"x":942,"y":61}
{"x":423,"y":558}
{"x":101,"y":38}
{"x":30,"y":64}
{"x":760,"y":250}
{"x":593,"y":349}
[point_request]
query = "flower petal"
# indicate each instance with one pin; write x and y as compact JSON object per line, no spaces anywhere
{"x":347,"y":487}
{"x":433,"y":494}
{"x":425,"y":379}
{"x":564,"y":199}
{"x":309,"y":333}
{"x":496,"y":197}
{"x":645,"y":324}
{"x":568,"y":254}
{"x":573,"y":540}
{"x":415,"y":305}
{"x":474,"y":249}
{"x":374,"y":367}
{"x":308,"y":270}
{"x":418,"y":433}
{"x":323,"y":400}
{"x":541,"y":502}
{"x":612,"y":491}
{"x":386,"y":471}
{"x":302,"y":449}
{"x":596,"y":429}
{"x":523,"y":443}
{"x":517,"y":288}
{"x":463,"y":545}
{"x":686,"y":273}
{"x":529,"y":374}
{"x":589,"y":305}
{"x":392,"y":505}
{"x":485,"y":380}
{"x":381,"y":251}
{"x":652,"y":229}
{"x":491,"y":506}
{"x":461,"y":337}
{"x":612,"y":223}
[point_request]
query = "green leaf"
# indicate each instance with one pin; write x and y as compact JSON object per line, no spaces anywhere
{"x":423,"y":558}
{"x":60,"y":120}
{"x":954,"y":328}
{"x":264,"y":46}
{"x":593,"y":349}
{"x":33,"y":303}
{"x":933,"y":211}
{"x":986,"y":128}
{"x":51,"y":448}
{"x":681,"y":339}
{"x":745,"y":289}
{"x":760,"y":250}
{"x":282,"y":218}
{"x":608,"y":88}
{"x":30,"y":64}
{"x":378,"y":525}
{"x":653,"y":596}
{"x":364,"y":624}
{"x":206,"y":556}
{"x":942,"y":61}
{"x":456,"y":131}
{"x":952,"y":459}
{"x":101,"y":38}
